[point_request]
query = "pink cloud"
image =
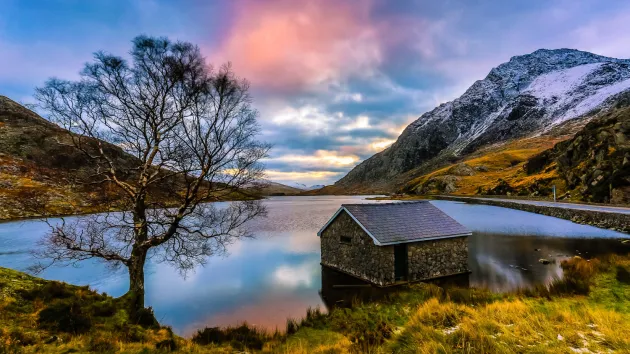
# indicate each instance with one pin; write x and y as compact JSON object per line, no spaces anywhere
{"x":289,"y":45}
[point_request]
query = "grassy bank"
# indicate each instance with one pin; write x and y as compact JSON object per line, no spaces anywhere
{"x":587,"y":311}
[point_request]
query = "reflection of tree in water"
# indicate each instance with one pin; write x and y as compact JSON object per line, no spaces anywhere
{"x":506,"y":262}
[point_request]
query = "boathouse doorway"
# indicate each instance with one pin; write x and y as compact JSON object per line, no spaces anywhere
{"x":400,"y":262}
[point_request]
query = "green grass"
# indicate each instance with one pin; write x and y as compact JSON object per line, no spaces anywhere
{"x":586,"y":310}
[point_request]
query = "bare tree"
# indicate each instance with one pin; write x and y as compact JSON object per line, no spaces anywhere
{"x":191,"y":131}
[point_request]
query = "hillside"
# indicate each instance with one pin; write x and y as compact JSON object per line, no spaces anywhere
{"x":274,"y":188}
{"x":40,"y":170}
{"x":528,"y":96}
{"x":37,"y":162}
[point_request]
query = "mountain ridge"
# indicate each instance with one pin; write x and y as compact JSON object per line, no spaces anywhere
{"x":527,"y":95}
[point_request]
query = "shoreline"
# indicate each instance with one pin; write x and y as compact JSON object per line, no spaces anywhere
{"x":587,"y":307}
{"x":81,"y":213}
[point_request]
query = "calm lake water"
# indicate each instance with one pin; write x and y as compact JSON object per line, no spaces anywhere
{"x":277,"y":275}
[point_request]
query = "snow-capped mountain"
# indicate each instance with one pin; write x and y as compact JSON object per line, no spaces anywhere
{"x":527,"y":95}
{"x":303,"y":186}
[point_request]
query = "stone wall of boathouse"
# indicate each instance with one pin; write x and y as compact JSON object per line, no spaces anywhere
{"x":437,"y":258}
{"x":361,"y":257}
{"x":365,"y":260}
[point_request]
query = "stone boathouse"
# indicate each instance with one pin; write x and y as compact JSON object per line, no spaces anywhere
{"x":390,"y":243}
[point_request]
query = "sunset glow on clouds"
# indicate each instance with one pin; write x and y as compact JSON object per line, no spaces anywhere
{"x":335,"y":81}
{"x":291,"y":45}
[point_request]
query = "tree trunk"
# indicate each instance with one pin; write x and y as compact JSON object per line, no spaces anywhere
{"x":138,"y":256}
{"x":136,"y":279}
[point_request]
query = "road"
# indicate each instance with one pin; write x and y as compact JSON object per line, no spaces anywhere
{"x":605,"y":209}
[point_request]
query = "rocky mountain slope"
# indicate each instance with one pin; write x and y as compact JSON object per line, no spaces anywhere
{"x":595,"y":163}
{"x":531,"y":94}
{"x":585,"y":161}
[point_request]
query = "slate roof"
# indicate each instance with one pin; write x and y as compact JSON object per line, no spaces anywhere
{"x":392,"y":223}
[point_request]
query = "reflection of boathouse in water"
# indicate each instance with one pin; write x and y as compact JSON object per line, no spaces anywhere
{"x":343,"y":290}
{"x":394,"y":243}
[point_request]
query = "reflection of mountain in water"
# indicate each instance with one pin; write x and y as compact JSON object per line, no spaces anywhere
{"x":502,"y":262}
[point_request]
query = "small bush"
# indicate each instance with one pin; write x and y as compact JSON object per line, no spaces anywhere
{"x":240,"y":337}
{"x":292,"y":326}
{"x":105,"y":308}
{"x":100,"y":344}
{"x":132,"y":333}
{"x":20,"y":337}
{"x":315,"y":318}
{"x":49,"y":291}
{"x":209,"y":335}
{"x":578,"y":277}
{"x":167,"y":344}
{"x":145,"y":318}
{"x":623,"y":275}
{"x":64,"y":316}
{"x":366,"y":327}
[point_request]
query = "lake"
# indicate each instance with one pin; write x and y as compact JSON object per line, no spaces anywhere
{"x":277,"y":275}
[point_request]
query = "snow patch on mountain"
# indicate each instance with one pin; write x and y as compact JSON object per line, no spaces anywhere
{"x":569,"y":89}
{"x":559,"y":83}
{"x":594,"y":100}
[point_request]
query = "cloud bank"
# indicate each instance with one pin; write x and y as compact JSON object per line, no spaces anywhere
{"x":335,"y":81}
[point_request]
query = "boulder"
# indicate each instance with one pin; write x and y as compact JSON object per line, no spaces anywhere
{"x":439,"y":184}
{"x":481,"y":168}
{"x":501,"y":188}
{"x":461,"y":169}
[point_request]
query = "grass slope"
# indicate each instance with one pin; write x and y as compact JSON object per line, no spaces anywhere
{"x":491,"y":165}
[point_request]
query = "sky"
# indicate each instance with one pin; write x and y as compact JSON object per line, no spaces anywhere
{"x":335,"y":81}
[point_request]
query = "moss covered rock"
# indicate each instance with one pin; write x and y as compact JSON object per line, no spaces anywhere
{"x":595,"y":163}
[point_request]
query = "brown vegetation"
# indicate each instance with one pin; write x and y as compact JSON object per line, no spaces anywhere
{"x":487,"y":169}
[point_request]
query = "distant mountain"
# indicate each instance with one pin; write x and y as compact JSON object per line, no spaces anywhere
{"x":274,"y":188}
{"x":303,"y":186}
{"x":529,"y":95}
